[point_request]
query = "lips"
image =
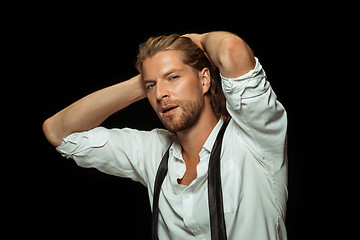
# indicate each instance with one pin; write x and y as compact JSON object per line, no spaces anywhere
{"x":168,"y":110}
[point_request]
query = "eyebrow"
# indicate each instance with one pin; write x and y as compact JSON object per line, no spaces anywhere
{"x":172,"y":70}
{"x":148,"y":81}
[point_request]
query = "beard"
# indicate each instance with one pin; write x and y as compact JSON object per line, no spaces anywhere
{"x":188,"y":113}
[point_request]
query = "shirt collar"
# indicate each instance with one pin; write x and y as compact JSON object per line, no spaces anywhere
{"x":208,"y":145}
{"x":175,"y":149}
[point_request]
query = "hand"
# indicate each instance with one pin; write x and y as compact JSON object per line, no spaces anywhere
{"x":196,"y":38}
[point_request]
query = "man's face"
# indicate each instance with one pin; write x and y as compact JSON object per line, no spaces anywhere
{"x":173,"y":90}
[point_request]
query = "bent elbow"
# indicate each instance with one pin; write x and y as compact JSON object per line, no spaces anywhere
{"x":50,"y":132}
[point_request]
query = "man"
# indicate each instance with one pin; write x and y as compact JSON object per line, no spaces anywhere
{"x":178,"y":76}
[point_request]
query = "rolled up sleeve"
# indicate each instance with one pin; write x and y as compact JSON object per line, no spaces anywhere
{"x":80,"y":143}
{"x":113,"y":151}
{"x":261,"y":118}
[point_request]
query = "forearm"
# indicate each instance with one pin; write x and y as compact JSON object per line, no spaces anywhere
{"x":92,"y":110}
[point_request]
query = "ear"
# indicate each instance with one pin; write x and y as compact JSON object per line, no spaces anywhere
{"x":205,"y":79}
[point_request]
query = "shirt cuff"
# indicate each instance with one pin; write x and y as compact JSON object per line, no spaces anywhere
{"x":252,"y":73}
{"x":78,"y":142}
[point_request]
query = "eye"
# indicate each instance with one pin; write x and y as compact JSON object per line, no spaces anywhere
{"x":150,"y":85}
{"x":174,"y":77}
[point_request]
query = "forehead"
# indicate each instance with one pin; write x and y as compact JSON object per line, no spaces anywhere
{"x":163,"y":62}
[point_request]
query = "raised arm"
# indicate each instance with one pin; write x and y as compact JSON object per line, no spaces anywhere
{"x":92,"y":110}
{"x":227,"y":51}
{"x":251,"y":102}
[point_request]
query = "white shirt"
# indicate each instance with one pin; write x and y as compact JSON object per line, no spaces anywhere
{"x":253,"y":165}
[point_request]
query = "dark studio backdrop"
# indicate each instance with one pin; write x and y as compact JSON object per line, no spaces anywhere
{"x":70,"y":54}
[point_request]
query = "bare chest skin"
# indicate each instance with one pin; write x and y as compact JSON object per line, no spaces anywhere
{"x":191,"y":172}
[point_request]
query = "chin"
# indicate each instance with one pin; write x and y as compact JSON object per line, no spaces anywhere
{"x":182,"y":123}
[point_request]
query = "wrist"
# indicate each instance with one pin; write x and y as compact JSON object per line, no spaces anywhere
{"x":139,"y":87}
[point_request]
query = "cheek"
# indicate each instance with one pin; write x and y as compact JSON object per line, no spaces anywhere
{"x":188,"y":88}
{"x":152,"y":100}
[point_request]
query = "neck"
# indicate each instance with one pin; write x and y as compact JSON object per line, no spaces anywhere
{"x":193,"y":138}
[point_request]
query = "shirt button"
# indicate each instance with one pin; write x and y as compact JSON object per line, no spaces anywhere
{"x":194,"y":230}
{"x":186,"y":195}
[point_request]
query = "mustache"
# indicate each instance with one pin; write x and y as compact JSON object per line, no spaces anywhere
{"x":164,"y":103}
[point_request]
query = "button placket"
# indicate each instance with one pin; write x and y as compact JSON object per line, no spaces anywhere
{"x":189,"y":221}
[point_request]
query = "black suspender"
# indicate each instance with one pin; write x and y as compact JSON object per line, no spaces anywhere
{"x":160,"y":175}
{"x":216,"y":210}
{"x":217,"y":220}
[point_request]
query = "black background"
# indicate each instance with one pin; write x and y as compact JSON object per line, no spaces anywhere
{"x":65,"y":53}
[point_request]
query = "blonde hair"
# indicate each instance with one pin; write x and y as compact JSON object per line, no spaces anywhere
{"x":191,"y":55}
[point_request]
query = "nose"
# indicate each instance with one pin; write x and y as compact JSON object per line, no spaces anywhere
{"x":161,"y":91}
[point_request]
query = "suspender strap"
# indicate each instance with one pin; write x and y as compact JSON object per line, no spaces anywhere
{"x":217,"y":220}
{"x":160,"y":175}
{"x":216,"y":210}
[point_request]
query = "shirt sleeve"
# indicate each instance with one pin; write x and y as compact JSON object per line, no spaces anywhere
{"x":262,"y":119}
{"x":121,"y":152}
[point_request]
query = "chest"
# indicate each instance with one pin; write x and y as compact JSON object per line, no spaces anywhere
{"x":190,"y":170}
{"x":186,"y":206}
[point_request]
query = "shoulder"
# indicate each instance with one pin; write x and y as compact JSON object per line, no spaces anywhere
{"x":164,"y":136}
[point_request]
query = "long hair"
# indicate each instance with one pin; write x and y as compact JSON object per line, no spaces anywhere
{"x":192,"y":56}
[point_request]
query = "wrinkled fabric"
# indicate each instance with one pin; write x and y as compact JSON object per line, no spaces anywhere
{"x":253,"y":165}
